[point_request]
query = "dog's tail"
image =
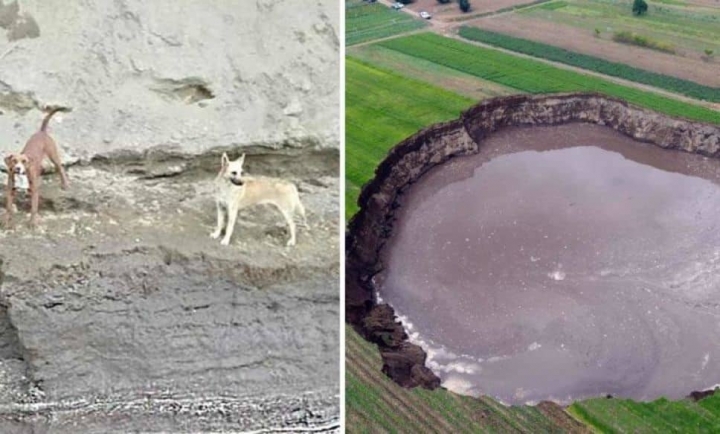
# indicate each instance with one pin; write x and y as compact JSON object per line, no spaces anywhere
{"x":50,"y":114}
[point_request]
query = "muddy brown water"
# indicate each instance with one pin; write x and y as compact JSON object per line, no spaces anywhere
{"x":562,"y":263}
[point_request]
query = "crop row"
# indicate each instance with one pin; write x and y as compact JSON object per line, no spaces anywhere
{"x":662,"y":415}
{"x":368,"y":22}
{"x":632,"y":38}
{"x":532,"y":76}
{"x":627,"y":72}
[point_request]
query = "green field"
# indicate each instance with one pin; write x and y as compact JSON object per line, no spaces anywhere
{"x":376,"y":404}
{"x":430,"y":72}
{"x":688,"y":28}
{"x":661,"y":416}
{"x":592,"y":63}
{"x":381,"y":109}
{"x":532,"y":76}
{"x":370,"y":21}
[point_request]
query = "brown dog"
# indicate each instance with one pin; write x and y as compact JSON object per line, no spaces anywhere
{"x":29,"y":163}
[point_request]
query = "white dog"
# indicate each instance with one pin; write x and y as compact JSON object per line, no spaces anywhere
{"x":233,"y":191}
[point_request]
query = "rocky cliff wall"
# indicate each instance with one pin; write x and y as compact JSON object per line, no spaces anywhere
{"x":172,"y":76}
{"x":120,"y":314}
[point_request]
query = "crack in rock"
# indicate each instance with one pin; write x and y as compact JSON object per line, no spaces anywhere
{"x":187,"y":90}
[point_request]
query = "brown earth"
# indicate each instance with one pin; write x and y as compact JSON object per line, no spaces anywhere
{"x":372,"y":226}
{"x":700,"y":395}
{"x":689,"y":67}
{"x":707,"y":3}
{"x":558,"y":415}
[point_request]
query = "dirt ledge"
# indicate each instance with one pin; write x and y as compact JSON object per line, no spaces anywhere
{"x":405,"y":163}
{"x":121,"y":314}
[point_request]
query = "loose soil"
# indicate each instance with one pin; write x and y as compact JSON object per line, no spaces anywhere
{"x":706,"y":3}
{"x":561,"y":263}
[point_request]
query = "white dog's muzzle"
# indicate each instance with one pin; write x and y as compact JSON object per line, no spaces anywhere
{"x":21,"y":181}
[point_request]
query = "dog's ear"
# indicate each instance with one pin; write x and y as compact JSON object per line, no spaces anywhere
{"x":9,"y":161}
{"x":224,"y":160}
{"x":241,"y":160}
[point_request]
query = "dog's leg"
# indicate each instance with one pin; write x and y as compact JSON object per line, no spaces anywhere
{"x":54,"y":156}
{"x":34,"y":200}
{"x":232,"y":217}
{"x":300,"y":209}
{"x":220,"y":221}
{"x":9,"y":201}
{"x":291,"y":225}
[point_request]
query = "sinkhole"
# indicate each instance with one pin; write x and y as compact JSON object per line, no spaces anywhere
{"x":560,"y":263}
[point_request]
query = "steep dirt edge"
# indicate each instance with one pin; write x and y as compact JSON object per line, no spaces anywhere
{"x":15,"y":382}
{"x":121,"y":314}
{"x":405,"y":163}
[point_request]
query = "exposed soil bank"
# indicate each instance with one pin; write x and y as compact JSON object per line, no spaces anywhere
{"x":121,"y":314}
{"x":562,"y":263}
{"x":370,"y":229}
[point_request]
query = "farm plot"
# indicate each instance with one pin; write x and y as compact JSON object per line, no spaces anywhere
{"x":592,"y":63}
{"x":532,"y":76}
{"x":370,"y":21}
{"x":429,"y":72}
{"x":577,"y":39}
{"x":689,"y":28}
